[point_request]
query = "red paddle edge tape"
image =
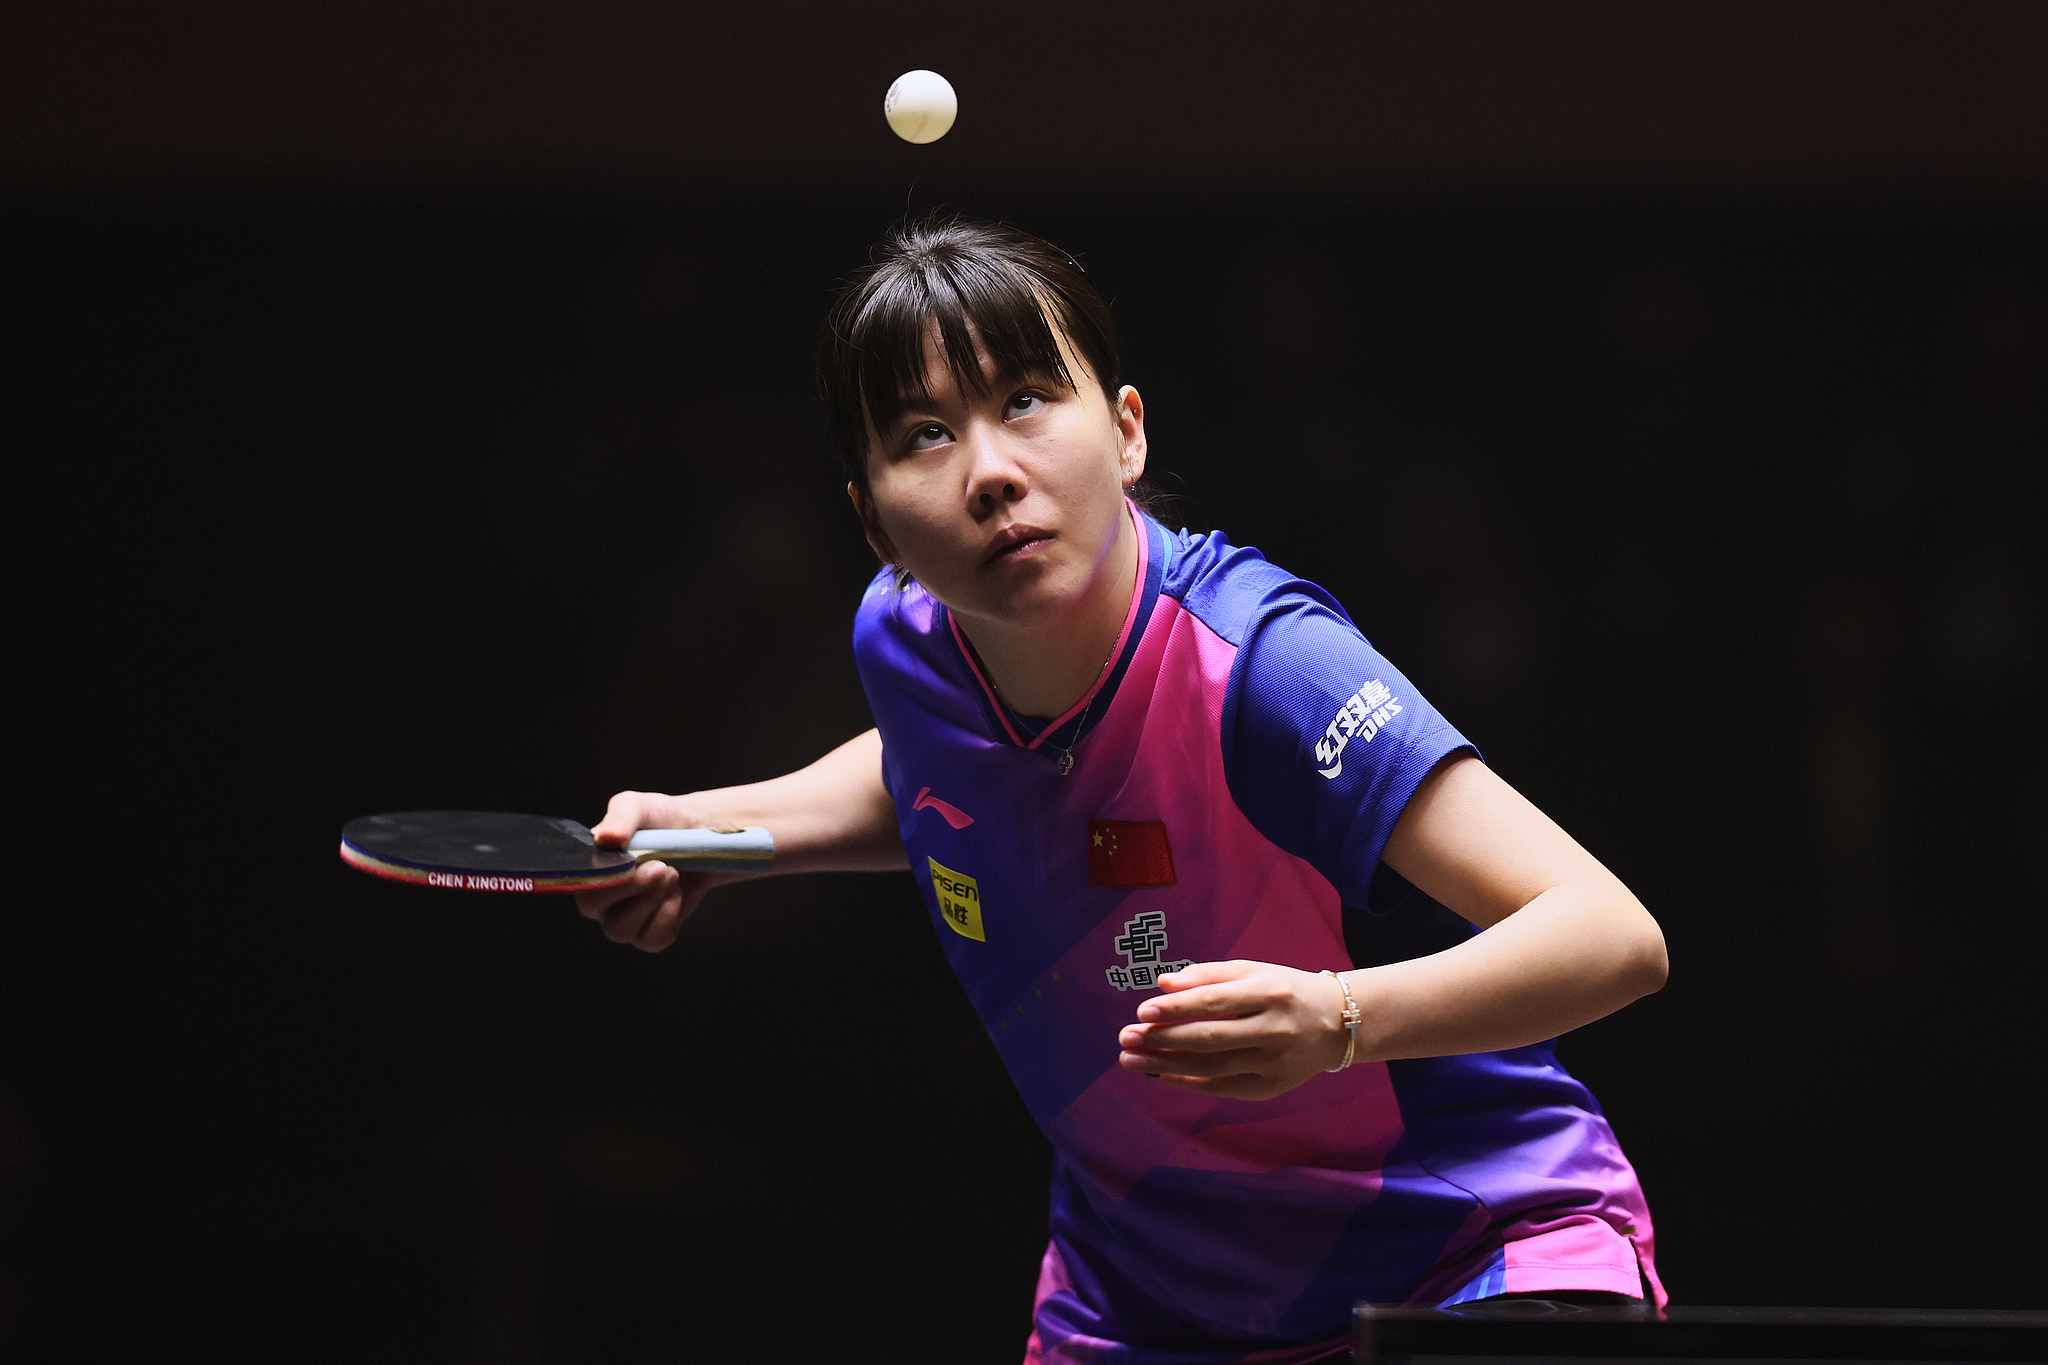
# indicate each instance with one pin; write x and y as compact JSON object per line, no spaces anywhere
{"x":477,"y":881}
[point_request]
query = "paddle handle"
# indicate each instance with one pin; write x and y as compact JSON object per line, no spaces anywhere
{"x":706,"y":850}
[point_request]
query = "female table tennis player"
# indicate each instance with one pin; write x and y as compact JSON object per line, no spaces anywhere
{"x":1271,"y":954}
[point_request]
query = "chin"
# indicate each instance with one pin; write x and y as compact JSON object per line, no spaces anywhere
{"x":1047,"y":599}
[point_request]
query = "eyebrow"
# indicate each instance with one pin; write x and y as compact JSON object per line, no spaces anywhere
{"x":908,"y":412}
{"x":910,"y":400}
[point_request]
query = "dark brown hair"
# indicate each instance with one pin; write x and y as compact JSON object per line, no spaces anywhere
{"x":989,"y":289}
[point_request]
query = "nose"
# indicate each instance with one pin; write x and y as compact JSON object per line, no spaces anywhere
{"x":995,"y":478}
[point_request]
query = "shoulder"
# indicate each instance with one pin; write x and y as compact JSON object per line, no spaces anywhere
{"x":889,"y":607}
{"x":1305,"y":681}
{"x":1298,"y":651}
{"x":899,"y":631}
{"x":1234,"y":590}
{"x":1323,"y":738}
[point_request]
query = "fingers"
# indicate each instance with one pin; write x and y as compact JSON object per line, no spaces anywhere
{"x":1203,"y":1035}
{"x":630,"y":901}
{"x":664,"y":922}
{"x":1233,"y":1062}
{"x":1204,"y":973}
{"x":1214,"y":990}
{"x":1246,"y":1074}
{"x":1244,"y":1087}
{"x":624,"y":816}
{"x":592,"y":905}
{"x":646,"y":911}
{"x":1248,"y":1030}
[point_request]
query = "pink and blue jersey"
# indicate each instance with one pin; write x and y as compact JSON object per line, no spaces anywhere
{"x":1234,"y":777}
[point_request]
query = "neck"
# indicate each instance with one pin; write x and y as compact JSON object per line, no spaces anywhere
{"x":1043,"y":668}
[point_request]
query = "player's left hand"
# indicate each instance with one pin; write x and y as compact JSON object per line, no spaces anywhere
{"x":1246,"y":1030}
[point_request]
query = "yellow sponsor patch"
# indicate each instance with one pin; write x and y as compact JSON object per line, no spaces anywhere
{"x":959,"y":900}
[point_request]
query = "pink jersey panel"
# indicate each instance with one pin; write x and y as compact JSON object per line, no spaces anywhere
{"x":1584,"y":1252}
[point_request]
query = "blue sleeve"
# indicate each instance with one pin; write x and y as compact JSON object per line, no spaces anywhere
{"x":1324,"y":741}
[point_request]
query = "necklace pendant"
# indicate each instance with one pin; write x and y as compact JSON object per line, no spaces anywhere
{"x":1066,"y":762}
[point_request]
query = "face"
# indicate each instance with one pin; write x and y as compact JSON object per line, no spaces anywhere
{"x":1007,"y":505}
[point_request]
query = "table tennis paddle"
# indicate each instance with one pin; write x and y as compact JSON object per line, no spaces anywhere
{"x":478,"y":850}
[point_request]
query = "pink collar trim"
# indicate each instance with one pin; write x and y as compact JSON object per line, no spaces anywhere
{"x":1109,"y":669}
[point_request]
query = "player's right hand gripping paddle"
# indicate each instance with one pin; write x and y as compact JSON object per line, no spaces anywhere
{"x":480,"y":850}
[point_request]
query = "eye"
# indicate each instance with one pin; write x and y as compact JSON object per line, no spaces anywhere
{"x":926,"y":435}
{"x":1023,"y":405}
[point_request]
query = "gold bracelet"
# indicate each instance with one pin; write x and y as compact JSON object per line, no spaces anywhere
{"x":1351,"y":1019}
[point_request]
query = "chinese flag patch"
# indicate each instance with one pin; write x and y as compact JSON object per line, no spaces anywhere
{"x":1129,"y":853}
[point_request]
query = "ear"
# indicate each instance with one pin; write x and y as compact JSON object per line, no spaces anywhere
{"x":878,"y":539}
{"x":1130,"y":425}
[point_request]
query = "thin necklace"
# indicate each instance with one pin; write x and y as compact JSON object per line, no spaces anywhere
{"x":1066,"y":754}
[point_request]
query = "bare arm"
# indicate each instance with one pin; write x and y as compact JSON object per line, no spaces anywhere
{"x":834,"y":815}
{"x":1564,"y":943}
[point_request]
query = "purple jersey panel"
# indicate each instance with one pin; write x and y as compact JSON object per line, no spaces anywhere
{"x":1245,"y":756}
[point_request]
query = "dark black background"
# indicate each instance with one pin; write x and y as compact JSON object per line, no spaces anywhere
{"x":1704,"y":493}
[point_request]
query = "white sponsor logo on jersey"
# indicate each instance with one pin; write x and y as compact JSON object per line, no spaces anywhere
{"x":1360,"y":718}
{"x":1144,"y":944}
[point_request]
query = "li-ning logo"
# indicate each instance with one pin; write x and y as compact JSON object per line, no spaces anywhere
{"x":1144,"y":945}
{"x":1360,"y":718}
{"x":952,"y":815}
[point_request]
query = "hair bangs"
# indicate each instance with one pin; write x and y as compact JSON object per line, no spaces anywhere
{"x":991,"y":329}
{"x":984,"y":293}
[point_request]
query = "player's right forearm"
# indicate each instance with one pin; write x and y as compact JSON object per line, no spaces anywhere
{"x":832,"y":816}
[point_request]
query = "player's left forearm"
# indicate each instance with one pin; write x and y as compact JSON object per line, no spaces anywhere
{"x":1575,"y":953}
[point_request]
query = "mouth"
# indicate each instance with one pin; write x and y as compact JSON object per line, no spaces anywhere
{"x":1016,"y":542}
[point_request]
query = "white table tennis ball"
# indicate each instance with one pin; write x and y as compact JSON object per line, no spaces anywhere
{"x":920,"y":106}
